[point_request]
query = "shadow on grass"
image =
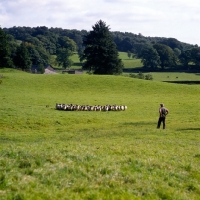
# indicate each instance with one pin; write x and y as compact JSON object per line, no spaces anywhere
{"x":139,"y":123}
{"x":188,"y":129}
{"x":184,"y":82}
{"x":128,"y":59}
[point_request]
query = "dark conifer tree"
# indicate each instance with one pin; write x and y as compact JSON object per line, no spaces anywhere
{"x":195,"y":56}
{"x":5,"y":60}
{"x":185,"y":58}
{"x":22,"y":59}
{"x":100,"y":52}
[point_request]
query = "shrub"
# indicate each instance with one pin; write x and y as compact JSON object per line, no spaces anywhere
{"x":132,"y":75}
{"x":41,"y":69}
{"x":140,"y":75}
{"x":89,"y":72}
{"x":148,"y":77}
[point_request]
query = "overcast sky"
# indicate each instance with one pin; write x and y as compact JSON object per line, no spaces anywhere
{"x":178,"y":19}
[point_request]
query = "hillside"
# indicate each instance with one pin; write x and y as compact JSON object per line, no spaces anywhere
{"x":125,"y":41}
{"x":46,"y":153}
{"x":44,"y":46}
{"x":41,"y":90}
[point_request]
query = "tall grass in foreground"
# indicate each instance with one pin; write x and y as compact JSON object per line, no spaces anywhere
{"x":51,"y":154}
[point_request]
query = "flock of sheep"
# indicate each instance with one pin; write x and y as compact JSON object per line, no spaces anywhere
{"x":71,"y":107}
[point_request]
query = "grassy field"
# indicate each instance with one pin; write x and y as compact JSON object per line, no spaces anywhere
{"x":51,"y":154}
{"x":128,"y":63}
{"x":172,"y":76}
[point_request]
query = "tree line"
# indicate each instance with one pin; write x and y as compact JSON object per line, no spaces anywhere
{"x":98,"y":49}
{"x":23,"y":50}
{"x":162,"y":56}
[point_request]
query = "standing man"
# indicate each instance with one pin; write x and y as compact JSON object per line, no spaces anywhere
{"x":162,"y":115}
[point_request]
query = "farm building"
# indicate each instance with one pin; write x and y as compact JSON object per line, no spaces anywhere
{"x":48,"y":69}
{"x":73,"y":71}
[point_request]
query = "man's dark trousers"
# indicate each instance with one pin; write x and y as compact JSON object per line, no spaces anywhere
{"x":161,"y":119}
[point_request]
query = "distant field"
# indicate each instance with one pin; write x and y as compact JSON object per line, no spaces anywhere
{"x":172,"y":76}
{"x":51,"y":154}
{"x":76,"y":62}
{"x":128,"y":63}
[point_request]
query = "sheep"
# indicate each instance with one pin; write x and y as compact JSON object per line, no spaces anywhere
{"x":107,"y":107}
{"x":99,"y":108}
{"x":58,"y":106}
{"x":121,"y":107}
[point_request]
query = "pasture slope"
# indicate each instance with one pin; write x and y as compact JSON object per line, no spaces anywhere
{"x":51,"y":154}
{"x":128,"y":62}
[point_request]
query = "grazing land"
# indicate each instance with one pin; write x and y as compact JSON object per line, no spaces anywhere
{"x":50,"y":154}
{"x":179,"y":77}
{"x":128,"y":63}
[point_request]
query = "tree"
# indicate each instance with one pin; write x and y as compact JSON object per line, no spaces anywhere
{"x":195,"y":56}
{"x":41,"y":68}
{"x":172,"y":43}
{"x":38,"y":54}
{"x":129,"y":54}
{"x":48,"y":42}
{"x":150,"y":57}
{"x":5,"y":60}
{"x":126,"y":44}
{"x":13,"y":44}
{"x":166,"y":54}
{"x":100,"y":52}
{"x":63,"y":58}
{"x":177,"y":52}
{"x":66,"y":48}
{"x":22,"y":59}
{"x":185,"y":58}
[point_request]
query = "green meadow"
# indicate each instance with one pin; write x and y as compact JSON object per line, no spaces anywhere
{"x":128,"y":62}
{"x":50,"y":154}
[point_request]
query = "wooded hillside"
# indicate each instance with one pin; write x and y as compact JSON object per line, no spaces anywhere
{"x":49,"y":45}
